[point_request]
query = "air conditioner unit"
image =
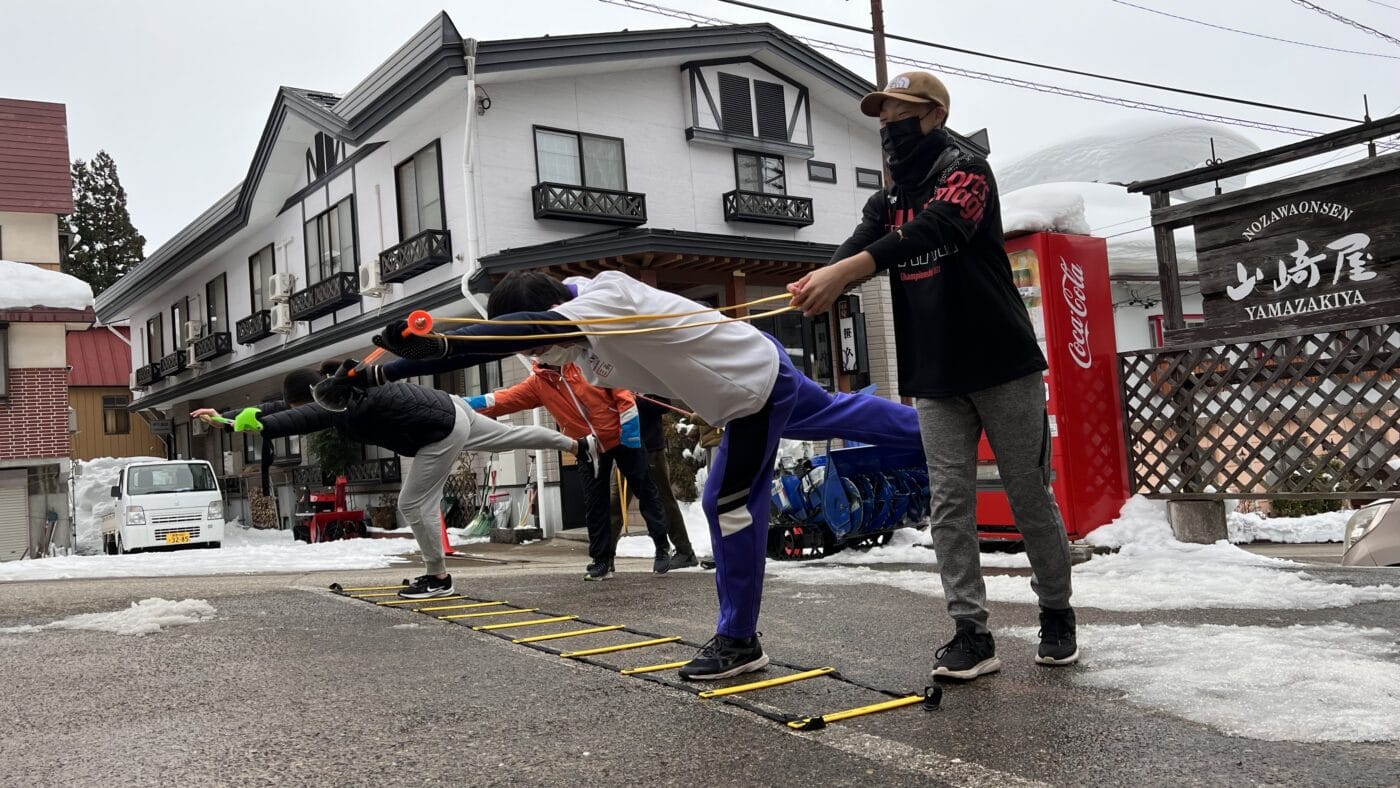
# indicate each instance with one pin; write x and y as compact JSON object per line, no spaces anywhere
{"x":281,"y":318}
{"x":72,"y":420}
{"x":281,"y":286}
{"x":198,"y":428}
{"x":370,"y":283}
{"x":193,"y":331}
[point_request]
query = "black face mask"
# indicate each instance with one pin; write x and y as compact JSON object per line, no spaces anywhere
{"x":899,"y":139}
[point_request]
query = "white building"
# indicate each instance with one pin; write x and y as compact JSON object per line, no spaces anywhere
{"x":719,"y":162}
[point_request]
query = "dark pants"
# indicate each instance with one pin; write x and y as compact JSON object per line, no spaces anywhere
{"x":597,"y":500}
{"x":675,"y":522}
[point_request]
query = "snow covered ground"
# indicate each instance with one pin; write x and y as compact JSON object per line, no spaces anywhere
{"x":141,"y":618}
{"x":1246,"y":527}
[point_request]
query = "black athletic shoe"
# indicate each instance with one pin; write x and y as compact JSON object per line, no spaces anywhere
{"x":1057,"y":642}
{"x":427,"y":587}
{"x":968,"y":655}
{"x":723,"y":657}
{"x":684,"y":560}
{"x":598,"y":571}
{"x":588,"y":452}
{"x":662,"y":563}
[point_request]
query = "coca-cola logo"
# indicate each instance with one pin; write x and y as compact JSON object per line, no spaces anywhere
{"x":1077,"y":305}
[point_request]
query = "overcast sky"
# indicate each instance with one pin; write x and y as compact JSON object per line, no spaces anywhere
{"x":178,"y":92}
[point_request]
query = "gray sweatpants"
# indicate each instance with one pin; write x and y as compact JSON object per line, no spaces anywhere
{"x":1014,"y":417}
{"x":420,"y":498}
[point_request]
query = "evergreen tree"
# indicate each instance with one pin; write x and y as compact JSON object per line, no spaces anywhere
{"x":104,"y":243}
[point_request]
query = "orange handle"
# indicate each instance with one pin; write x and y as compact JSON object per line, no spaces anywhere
{"x":419,"y":324}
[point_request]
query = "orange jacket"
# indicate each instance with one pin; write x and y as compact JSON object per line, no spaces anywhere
{"x":579,"y":406}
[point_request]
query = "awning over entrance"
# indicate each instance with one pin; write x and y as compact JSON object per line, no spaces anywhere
{"x":668,"y":256}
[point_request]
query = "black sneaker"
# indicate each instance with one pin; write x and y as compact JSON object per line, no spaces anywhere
{"x":684,"y":560}
{"x":968,"y":655}
{"x":1057,"y":642}
{"x":428,"y":587}
{"x":598,"y":571}
{"x":662,"y":563}
{"x":723,"y":657}
{"x":588,"y":452}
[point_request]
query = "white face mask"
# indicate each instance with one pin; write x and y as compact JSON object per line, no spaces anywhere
{"x":558,"y":356}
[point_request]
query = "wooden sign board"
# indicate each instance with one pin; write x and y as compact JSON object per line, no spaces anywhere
{"x":1306,"y":259}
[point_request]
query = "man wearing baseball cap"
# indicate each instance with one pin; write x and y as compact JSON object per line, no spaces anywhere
{"x":967,"y":355}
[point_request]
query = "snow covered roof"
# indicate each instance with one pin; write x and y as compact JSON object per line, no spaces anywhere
{"x":28,"y":286}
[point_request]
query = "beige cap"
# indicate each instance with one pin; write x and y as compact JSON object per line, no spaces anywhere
{"x":919,"y":87}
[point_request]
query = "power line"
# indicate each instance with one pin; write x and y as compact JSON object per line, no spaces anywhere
{"x":1057,"y":90}
{"x":1349,"y":22}
{"x":1384,"y":5}
{"x":1033,"y":64}
{"x":1252,"y":33}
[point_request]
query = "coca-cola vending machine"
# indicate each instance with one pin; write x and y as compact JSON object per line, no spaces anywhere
{"x":1063,"y":280}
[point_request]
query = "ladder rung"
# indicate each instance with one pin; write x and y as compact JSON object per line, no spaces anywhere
{"x":458,"y":607}
{"x":375,"y":594}
{"x":758,"y":685}
{"x":576,"y":632}
{"x":859,"y":711}
{"x":371,"y":588}
{"x":623,"y":647}
{"x":654,"y":668}
{"x":532,"y":622}
{"x":514,"y":612}
{"x":420,"y":601}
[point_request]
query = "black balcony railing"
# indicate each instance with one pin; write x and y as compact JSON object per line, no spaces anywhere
{"x":308,"y":476}
{"x":172,"y":364}
{"x":254,"y":327}
{"x":577,"y":203}
{"x":146,"y":374}
{"x":742,"y":206}
{"x":428,"y":249}
{"x":213,"y":346}
{"x":326,"y":296}
{"x":381,"y":471}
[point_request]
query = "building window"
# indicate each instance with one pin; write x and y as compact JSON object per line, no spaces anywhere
{"x":419,"y":182}
{"x":739,"y":107}
{"x":1157,"y":326}
{"x":756,"y":172}
{"x":869,"y":179}
{"x":155,"y":339}
{"x":177,"y":325}
{"x":482,"y":379}
{"x":216,"y":305}
{"x":252,"y":449}
{"x":821,"y":171}
{"x":330,"y":242}
{"x":576,"y":159}
{"x":735,"y":105}
{"x":116,"y":419}
{"x":772,"y":110}
{"x":260,"y":269}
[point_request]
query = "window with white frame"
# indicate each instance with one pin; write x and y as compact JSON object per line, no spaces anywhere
{"x":576,"y":159}
{"x":330,"y":242}
{"x":116,"y":419}
{"x":419,"y":186}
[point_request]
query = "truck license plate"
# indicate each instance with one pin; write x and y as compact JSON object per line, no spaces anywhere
{"x":179,"y":537}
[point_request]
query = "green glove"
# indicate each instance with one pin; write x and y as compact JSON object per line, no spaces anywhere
{"x":246,"y":420}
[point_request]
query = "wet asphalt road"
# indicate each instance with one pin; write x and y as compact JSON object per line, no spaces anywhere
{"x":291,"y":685}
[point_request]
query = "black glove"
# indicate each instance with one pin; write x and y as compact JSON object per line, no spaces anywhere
{"x":367,"y":376}
{"x":413,"y":346}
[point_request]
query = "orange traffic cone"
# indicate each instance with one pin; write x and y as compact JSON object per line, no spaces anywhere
{"x":446,"y":546}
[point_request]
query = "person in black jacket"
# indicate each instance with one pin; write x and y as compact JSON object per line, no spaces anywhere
{"x":651,"y":410}
{"x":430,"y":426}
{"x":967,"y":354}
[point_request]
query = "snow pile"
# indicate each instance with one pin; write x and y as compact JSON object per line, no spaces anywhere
{"x":1044,"y":208}
{"x":29,"y":286}
{"x":1141,"y":521}
{"x":695,"y":527}
{"x":92,"y":489}
{"x":1256,"y":682}
{"x":244,"y":552}
{"x":1248,"y":527}
{"x":142,"y":618}
{"x":1127,"y":152}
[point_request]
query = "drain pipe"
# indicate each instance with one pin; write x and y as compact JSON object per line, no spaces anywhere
{"x":469,"y":256}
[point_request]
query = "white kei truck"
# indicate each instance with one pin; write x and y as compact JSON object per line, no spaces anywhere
{"x":176,"y":503}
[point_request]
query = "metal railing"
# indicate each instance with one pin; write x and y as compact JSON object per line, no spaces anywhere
{"x":254,"y":327}
{"x":326,"y":296}
{"x":172,"y":363}
{"x":213,"y":346}
{"x":419,"y":253}
{"x":742,"y":206}
{"x":579,"y":203}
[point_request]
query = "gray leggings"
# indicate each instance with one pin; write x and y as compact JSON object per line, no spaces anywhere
{"x":420,"y":498}
{"x":1014,"y":417}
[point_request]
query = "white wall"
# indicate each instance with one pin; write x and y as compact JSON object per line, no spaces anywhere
{"x":1131,"y":322}
{"x":29,"y":237}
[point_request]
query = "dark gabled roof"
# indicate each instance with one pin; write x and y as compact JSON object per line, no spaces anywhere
{"x":434,"y":54}
{"x":643,"y":240}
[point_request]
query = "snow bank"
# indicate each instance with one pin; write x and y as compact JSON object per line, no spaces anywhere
{"x":1127,"y":152}
{"x":1141,"y":521}
{"x":244,"y":552}
{"x":695,"y":527}
{"x":1044,"y":208}
{"x":1245,"y":527}
{"x":29,"y":286}
{"x":92,"y":487}
{"x":142,"y":618}
{"x":1256,"y":682}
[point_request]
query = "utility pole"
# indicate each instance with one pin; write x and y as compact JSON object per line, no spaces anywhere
{"x":877,"y":26}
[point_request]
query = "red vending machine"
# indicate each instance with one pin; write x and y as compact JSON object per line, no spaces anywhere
{"x":1064,"y":281}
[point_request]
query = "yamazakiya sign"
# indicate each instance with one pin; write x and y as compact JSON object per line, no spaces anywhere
{"x":1317,"y":259}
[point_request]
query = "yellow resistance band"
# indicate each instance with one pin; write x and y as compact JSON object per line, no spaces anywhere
{"x":602,"y":320}
{"x":620,"y":332}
